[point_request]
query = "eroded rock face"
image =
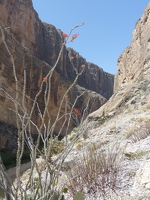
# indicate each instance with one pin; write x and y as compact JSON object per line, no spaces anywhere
{"x":133,"y":69}
{"x":134,"y":63}
{"x":32,"y":70}
{"x":44,"y":41}
{"x":93,"y":77}
{"x":35,"y":46}
{"x":18,"y":16}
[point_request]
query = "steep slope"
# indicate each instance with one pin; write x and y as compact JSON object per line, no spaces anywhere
{"x":133,"y":64}
{"x":121,"y":127}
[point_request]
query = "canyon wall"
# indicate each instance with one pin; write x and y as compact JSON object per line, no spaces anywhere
{"x":44,"y":41}
{"x":31,"y":47}
{"x":134,"y":62}
{"x":133,"y":69}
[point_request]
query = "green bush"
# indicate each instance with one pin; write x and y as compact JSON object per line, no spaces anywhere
{"x":103,"y":119}
{"x":56,"y":146}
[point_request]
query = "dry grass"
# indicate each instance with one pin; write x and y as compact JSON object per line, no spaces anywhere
{"x":95,"y":171}
{"x":139,"y":133}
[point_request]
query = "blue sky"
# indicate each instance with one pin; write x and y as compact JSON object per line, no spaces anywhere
{"x":107,"y":30}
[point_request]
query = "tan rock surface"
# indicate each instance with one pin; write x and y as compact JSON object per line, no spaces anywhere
{"x":134,"y":62}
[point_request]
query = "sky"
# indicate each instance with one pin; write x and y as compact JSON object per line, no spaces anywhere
{"x":107,"y":30}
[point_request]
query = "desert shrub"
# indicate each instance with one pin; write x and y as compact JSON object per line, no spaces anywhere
{"x":103,"y":119}
{"x":72,"y":137}
{"x":95,"y":171}
{"x":136,"y":155}
{"x":139,"y":133}
{"x":57,"y":146}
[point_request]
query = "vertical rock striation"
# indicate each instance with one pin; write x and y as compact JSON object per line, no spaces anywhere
{"x":35,"y":46}
{"x":44,"y":41}
{"x":134,"y":62}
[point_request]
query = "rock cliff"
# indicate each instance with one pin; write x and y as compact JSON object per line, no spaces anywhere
{"x":45,"y":41}
{"x":133,"y":66}
{"x":35,"y":47}
{"x":124,"y":120}
{"x":134,"y":62}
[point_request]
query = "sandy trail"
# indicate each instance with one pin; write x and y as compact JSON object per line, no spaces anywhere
{"x":12,"y":171}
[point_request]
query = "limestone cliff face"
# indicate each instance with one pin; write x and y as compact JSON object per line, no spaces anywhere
{"x":19,"y":17}
{"x":134,"y":62}
{"x":45,"y":41}
{"x":93,"y":78}
{"x":133,"y":69}
{"x":35,"y":46}
{"x":31,"y":70}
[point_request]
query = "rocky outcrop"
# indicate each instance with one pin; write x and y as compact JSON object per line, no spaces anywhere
{"x":134,"y":62}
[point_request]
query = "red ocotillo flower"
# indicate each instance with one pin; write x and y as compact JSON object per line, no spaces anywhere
{"x":45,"y":79}
{"x":74,"y":37}
{"x":64,"y":35}
{"x":77,"y":112}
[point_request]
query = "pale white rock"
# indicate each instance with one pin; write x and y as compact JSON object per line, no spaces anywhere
{"x":142,"y":177}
